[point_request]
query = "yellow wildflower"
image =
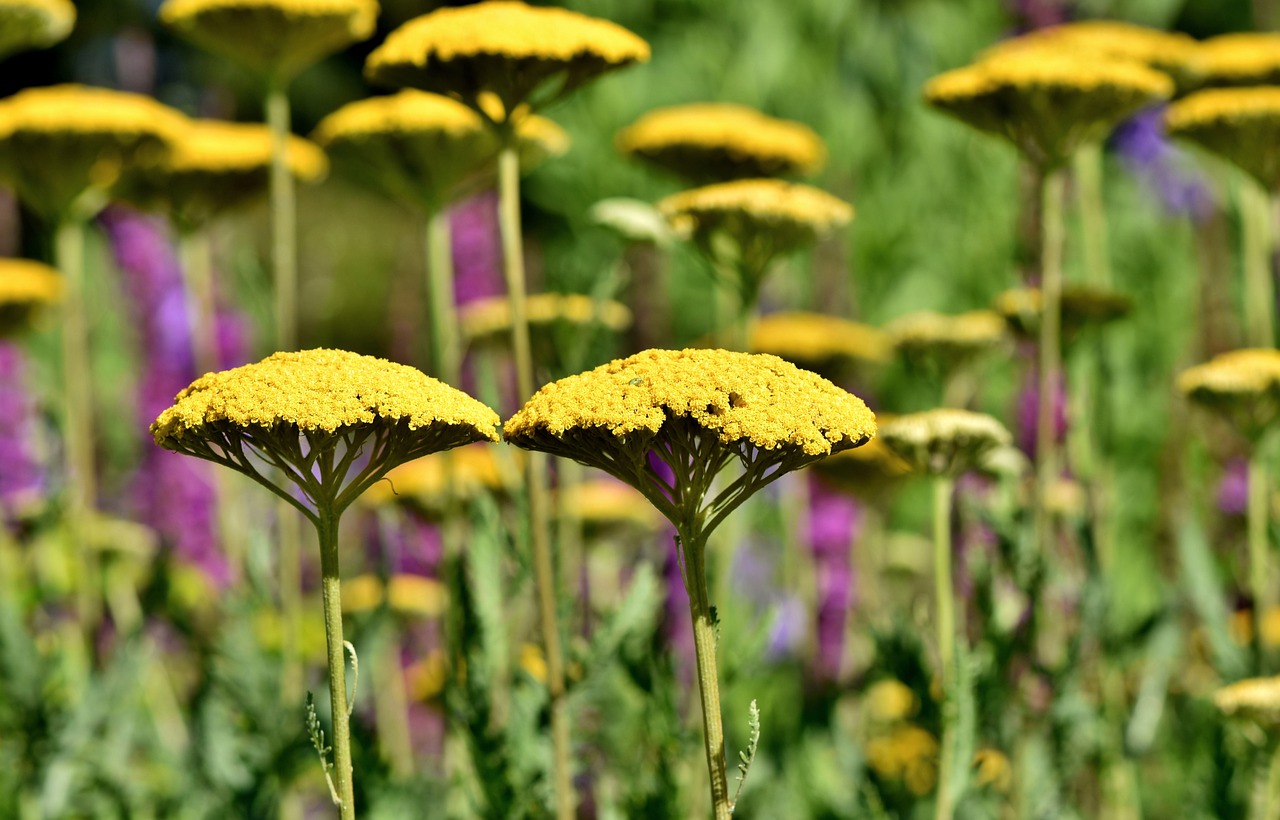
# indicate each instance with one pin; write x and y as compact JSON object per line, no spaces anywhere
{"x":1241,"y":627}
{"x":1171,"y":52}
{"x":489,"y":320}
{"x":1241,"y":59}
{"x":410,"y":594}
{"x":533,"y":661}
{"x":909,"y":754}
{"x":216,"y":166}
{"x":1046,"y":102}
{"x":26,"y":287}
{"x":427,"y":677}
{"x":1241,"y":385}
{"x":424,"y":148}
{"x":363,"y":593}
{"x":28,"y":24}
{"x":274,"y":37}
{"x":605,"y":502}
{"x":993,"y":770}
{"x":889,"y":701}
{"x":1255,"y":699}
{"x":430,"y":482}
{"x":507,"y":49}
{"x":815,"y":339}
{"x":717,"y":142}
{"x":946,"y":340}
{"x":1082,"y":306}
{"x":1241,"y":125}
{"x":58,"y":142}
{"x":944,"y":441}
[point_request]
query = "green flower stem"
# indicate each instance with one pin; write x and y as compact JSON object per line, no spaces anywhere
{"x":1095,"y":242}
{"x":1257,"y":242}
{"x":536,"y":475}
{"x":391,"y":703}
{"x":78,"y":414}
{"x":1271,"y":811}
{"x":944,"y":600}
{"x":1259,"y":569}
{"x":331,"y":589}
{"x":1050,"y":349}
{"x":704,"y":642}
{"x":446,"y":344}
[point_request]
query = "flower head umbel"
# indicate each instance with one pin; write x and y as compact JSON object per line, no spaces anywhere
{"x":28,"y":24}
{"x":1082,"y":307}
{"x":944,"y":442}
{"x":425,"y":148}
{"x":526,"y":56}
{"x":58,"y":142}
{"x":1241,"y":125}
{"x":719,"y":142}
{"x":214,"y":167}
{"x":1242,"y":59}
{"x":1243,"y":386}
{"x":296,"y":411}
{"x":1173,"y":53}
{"x":943,"y":342}
{"x":1256,"y":699}
{"x":273,"y":37}
{"x":26,"y":288}
{"x":1046,"y":102}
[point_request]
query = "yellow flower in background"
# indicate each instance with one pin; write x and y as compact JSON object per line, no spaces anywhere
{"x":1048,"y":103}
{"x":606,"y":502}
{"x":431,"y":483}
{"x":213,"y":167}
{"x":426,"y":678}
{"x":1082,"y":306}
{"x":816,"y":340}
{"x":508,"y":49}
{"x":410,"y":594}
{"x":1243,"y":386}
{"x":944,"y":441}
{"x":1241,"y":59}
{"x":277,"y":38}
{"x":533,"y":661}
{"x":908,"y":754}
{"x":59,"y":142}
{"x":889,"y":701}
{"x":426,"y":149}
{"x":1174,"y":53}
{"x":26,"y":288}
{"x":992,"y":770}
{"x":946,"y":341}
{"x":1256,"y":699}
{"x":1241,"y":125}
{"x":718,"y":142}
{"x":871,"y":472}
{"x":31,"y":24}
{"x":488,"y":321}
{"x":363,"y":593}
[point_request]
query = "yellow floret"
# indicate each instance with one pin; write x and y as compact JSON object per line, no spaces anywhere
{"x":1238,"y":373}
{"x":763,"y":201}
{"x":740,"y":397}
{"x":1257,"y":698}
{"x":28,"y":24}
{"x":605,"y":501}
{"x":723,"y":141}
{"x":890,"y":700}
{"x":416,"y":595}
{"x":321,"y":390}
{"x":815,"y":338}
{"x":278,"y":37}
{"x":927,"y":331}
{"x":431,"y":481}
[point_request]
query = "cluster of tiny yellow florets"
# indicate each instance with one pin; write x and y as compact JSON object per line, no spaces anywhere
{"x":769,"y":202}
{"x":944,"y":441}
{"x":26,"y":24}
{"x":735,"y":140}
{"x":741,"y":397}
{"x":814,"y":338}
{"x":1164,"y":50}
{"x":216,"y":146}
{"x":1244,"y":59}
{"x":1256,"y":698}
{"x":78,"y":109}
{"x":485,"y":318}
{"x":906,"y":753}
{"x":404,"y":593}
{"x":1223,"y":105}
{"x":1236,"y":374}
{"x":606,"y":501}
{"x":1079,"y":304}
{"x":1047,"y":69}
{"x":23,"y":281}
{"x":320,"y":390}
{"x":929,"y":331}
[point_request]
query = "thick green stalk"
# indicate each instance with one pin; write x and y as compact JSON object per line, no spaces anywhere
{"x":1259,"y":290}
{"x":446,"y":344}
{"x":331,"y":590}
{"x":1259,"y":570}
{"x":944,"y":600}
{"x":1050,"y":350}
{"x":1095,"y":243}
{"x":78,"y":413}
{"x":704,"y":644}
{"x":536,"y":477}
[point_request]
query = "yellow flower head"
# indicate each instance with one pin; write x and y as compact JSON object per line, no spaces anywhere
{"x":489,"y":320}
{"x":606,"y":502}
{"x":889,"y":701}
{"x":1255,"y":699}
{"x":944,"y":441}
{"x":1047,"y":102}
{"x":58,"y":142}
{"x":533,"y":661}
{"x":1243,"y":386}
{"x":1241,"y":125}
{"x":426,"y":678}
{"x":26,"y":288}
{"x":816,"y":340}
{"x":432,"y":483}
{"x":426,"y":149}
{"x":946,"y":341}
{"x":908,"y":754}
{"x":273,"y":37}
{"x":870,"y":472}
{"x":28,"y":24}
{"x":507,"y":49}
{"x":1242,"y":59}
{"x":1082,"y":306}
{"x":335,"y":401}
{"x":363,"y":593}
{"x":417,"y":595}
{"x":214,"y":167}
{"x":992,"y":770}
{"x":718,"y":142}
{"x":695,"y":410}
{"x":1173,"y":53}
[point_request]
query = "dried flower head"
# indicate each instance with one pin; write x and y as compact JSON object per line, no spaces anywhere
{"x":1256,"y":699}
{"x":696,"y":411}
{"x":318,"y":415}
{"x":60,"y":141}
{"x":718,"y":142}
{"x":605,"y":503}
{"x":1172,"y":52}
{"x":426,"y":149}
{"x":1046,"y":102}
{"x":488,"y":321}
{"x":944,"y":441}
{"x":431,"y":484}
{"x":1243,"y":386}
{"x":1241,"y":125}
{"x":214,"y":167}
{"x":946,"y":341}
{"x":277,"y":38}
{"x":1082,"y":307}
{"x":28,"y":24}
{"x":26,"y":288}
{"x":816,"y":340}
{"x":1242,"y":59}
{"x":524,"y":55}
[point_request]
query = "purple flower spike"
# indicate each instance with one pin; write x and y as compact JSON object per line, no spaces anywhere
{"x":477,"y":249}
{"x":1034,"y":14}
{"x":1029,"y":409}
{"x":1233,"y":490}
{"x":1147,"y":152}
{"x":21,"y":478}
{"x":834,"y":522}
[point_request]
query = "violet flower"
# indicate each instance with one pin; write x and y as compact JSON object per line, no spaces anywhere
{"x":835,"y":520}
{"x":1233,"y":489}
{"x":1029,"y":409}
{"x":477,"y":249}
{"x":22,"y":480}
{"x":1148,"y":154}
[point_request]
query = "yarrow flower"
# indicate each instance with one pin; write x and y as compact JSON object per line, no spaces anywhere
{"x":945,"y":441}
{"x":1173,"y":53}
{"x":1256,"y":699}
{"x":818,"y":341}
{"x":1241,"y":125}
{"x":870,"y":472}
{"x":489,"y":320}
{"x":430,"y":485}
{"x":28,"y":24}
{"x":719,"y":142}
{"x":1082,"y":306}
{"x":26,"y":289}
{"x":946,"y":341}
{"x":1242,"y":386}
{"x":1242,"y":59}
{"x":606,"y":503}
